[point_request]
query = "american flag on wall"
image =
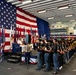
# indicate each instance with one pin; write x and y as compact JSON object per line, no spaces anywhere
{"x":20,"y":21}
{"x":33,"y":35}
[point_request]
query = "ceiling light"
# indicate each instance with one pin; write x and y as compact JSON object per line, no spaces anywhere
{"x":50,"y":18}
{"x":72,"y":20}
{"x":58,"y":22}
{"x":11,"y":0}
{"x":68,"y":15}
{"x":63,"y":7}
{"x":43,"y":3}
{"x":26,"y":2}
{"x":41,"y":11}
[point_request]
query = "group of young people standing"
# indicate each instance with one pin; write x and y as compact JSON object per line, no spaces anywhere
{"x":52,"y":52}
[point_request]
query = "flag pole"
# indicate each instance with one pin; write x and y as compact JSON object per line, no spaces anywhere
{"x":3,"y":41}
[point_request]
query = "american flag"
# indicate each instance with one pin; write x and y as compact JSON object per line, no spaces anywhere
{"x":20,"y":21}
{"x":32,"y":35}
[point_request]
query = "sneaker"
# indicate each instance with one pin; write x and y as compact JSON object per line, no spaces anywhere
{"x":60,"y":67}
{"x":55,"y":73}
{"x":43,"y":66}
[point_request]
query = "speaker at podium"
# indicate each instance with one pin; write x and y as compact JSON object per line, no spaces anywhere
{"x":27,"y":39}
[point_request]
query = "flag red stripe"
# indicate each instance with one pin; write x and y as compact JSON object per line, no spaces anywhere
{"x":7,"y":35}
{"x":20,"y":16}
{"x":30,"y":31}
{"x":6,"y":51}
{"x":0,"y":34}
{"x":20,"y":0}
{"x":22,"y":35}
{"x":24,"y":24}
{"x":25,"y":12}
{"x":7,"y":43}
{"x":20,"y":29}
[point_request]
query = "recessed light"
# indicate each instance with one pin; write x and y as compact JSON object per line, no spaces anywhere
{"x":10,"y":0}
{"x":26,"y":2}
{"x":50,"y":18}
{"x":63,"y":7}
{"x":69,"y":15}
{"x":41,"y":11}
{"x":72,"y":20}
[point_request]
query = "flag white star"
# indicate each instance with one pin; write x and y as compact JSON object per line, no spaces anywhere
{"x":9,"y":24}
{"x":7,"y":15}
{"x":2,"y":8}
{"x":4,"y":23}
{"x":14,"y":23}
{"x":4,"y":12}
{"x":6,"y":26}
{"x":11,"y":11}
{"x":12,"y":15}
{"x":13,"y":20}
{"x":7,"y":10}
{"x":2,"y":2}
{"x":2,"y":19}
{"x":1,"y":13}
{"x":6,"y":4}
{"x":8,"y":18}
{"x":14,"y":8}
{"x":11,"y":6}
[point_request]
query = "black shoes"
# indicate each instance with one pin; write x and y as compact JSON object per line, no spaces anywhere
{"x":38,"y":69}
{"x":46,"y":70}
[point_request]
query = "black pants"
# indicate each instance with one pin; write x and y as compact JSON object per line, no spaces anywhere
{"x":27,"y":57}
{"x":60,"y":59}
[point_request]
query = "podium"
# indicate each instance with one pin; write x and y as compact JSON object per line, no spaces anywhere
{"x":26,"y":50}
{"x":16,"y":48}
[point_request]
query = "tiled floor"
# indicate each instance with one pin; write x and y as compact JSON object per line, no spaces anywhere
{"x":17,"y":69}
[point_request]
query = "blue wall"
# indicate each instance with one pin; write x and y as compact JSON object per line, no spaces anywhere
{"x":43,"y":27}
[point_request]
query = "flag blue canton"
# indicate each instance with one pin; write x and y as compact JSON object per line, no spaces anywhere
{"x":7,"y":15}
